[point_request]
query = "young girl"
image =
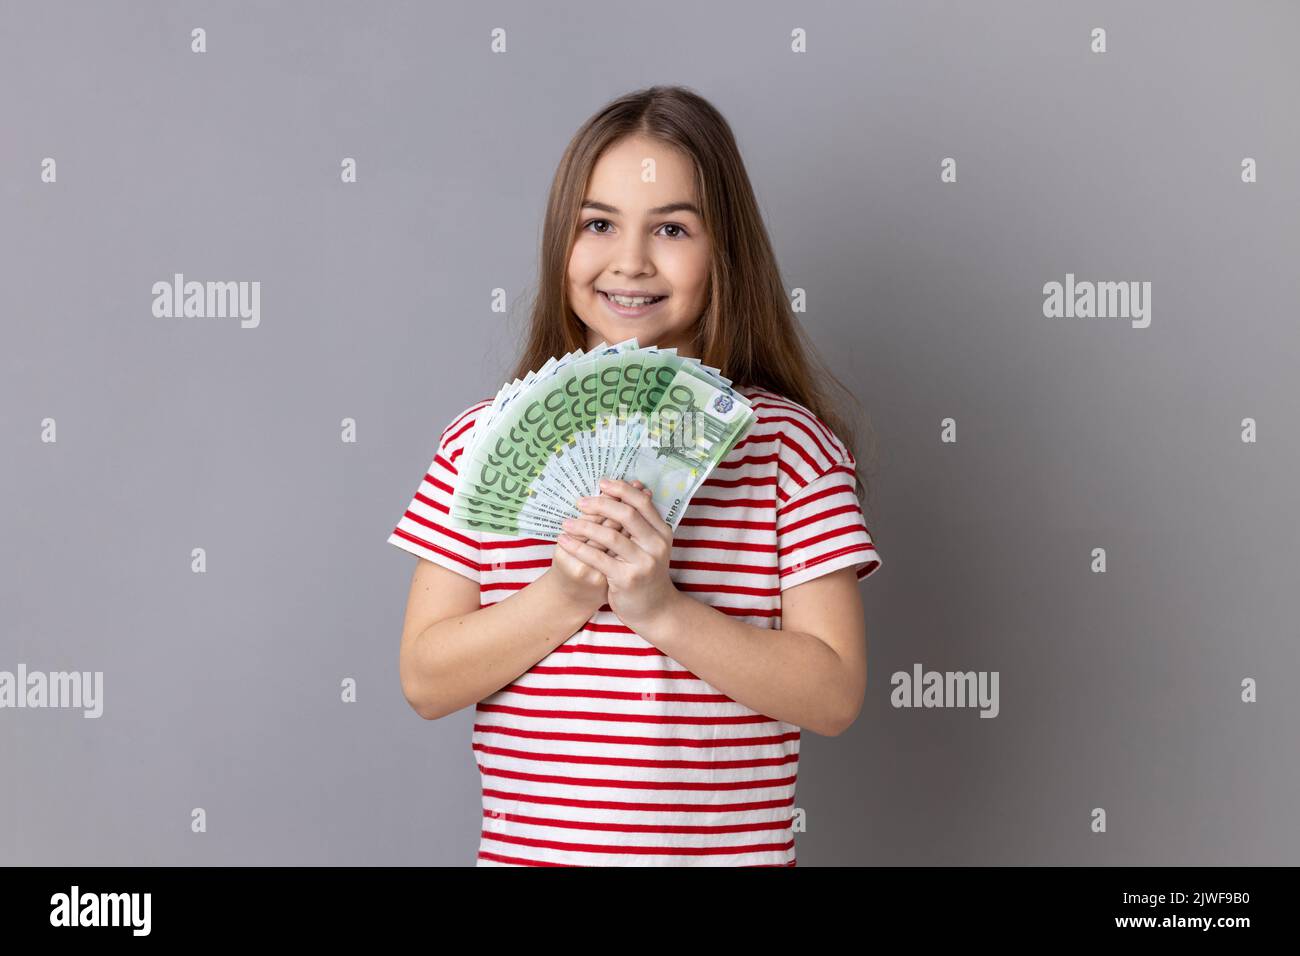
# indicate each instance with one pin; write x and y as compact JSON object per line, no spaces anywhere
{"x":640,"y":693}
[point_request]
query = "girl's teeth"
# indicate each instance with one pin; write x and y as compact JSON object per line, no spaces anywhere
{"x":632,"y":303}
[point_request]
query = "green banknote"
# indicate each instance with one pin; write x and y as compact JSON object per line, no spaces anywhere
{"x":616,"y":411}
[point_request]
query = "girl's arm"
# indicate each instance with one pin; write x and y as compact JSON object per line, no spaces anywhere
{"x":455,"y":653}
{"x":812,"y":673}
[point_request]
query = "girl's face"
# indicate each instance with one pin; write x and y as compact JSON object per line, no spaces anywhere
{"x":642,"y":239}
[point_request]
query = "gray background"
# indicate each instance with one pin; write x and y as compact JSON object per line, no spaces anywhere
{"x":222,"y":689}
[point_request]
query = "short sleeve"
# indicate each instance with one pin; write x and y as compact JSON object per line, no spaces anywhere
{"x":424,"y":529}
{"x":821,"y":529}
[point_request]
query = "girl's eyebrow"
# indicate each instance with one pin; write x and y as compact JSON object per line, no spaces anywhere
{"x":657,"y":211}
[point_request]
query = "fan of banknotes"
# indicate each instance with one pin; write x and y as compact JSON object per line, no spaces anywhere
{"x":616,"y":411}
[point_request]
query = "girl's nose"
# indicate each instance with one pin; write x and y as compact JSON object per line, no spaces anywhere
{"x":632,"y":255}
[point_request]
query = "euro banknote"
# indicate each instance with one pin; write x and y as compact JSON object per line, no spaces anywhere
{"x":615,"y":411}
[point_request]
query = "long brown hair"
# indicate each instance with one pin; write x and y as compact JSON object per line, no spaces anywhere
{"x":748,"y":329}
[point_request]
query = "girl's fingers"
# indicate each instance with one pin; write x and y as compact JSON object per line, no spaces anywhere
{"x":595,"y":533}
{"x":614,"y":522}
{"x":610,"y":504}
{"x":588,"y":555}
{"x":637,"y":496}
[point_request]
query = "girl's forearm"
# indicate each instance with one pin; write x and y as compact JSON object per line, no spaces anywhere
{"x":787,"y":675}
{"x":461,"y":660}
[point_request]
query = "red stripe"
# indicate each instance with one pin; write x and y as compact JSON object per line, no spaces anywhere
{"x":713,"y":588}
{"x":438,"y":483}
{"x":455,"y":426}
{"x":701,"y":720}
{"x":710,"y":808}
{"x":821,"y":559}
{"x":834,"y":489}
{"x":790,"y":758}
{"x":725,"y":523}
{"x":666,"y":673}
{"x":570,"y":648}
{"x":639,"y":827}
{"x":820,"y":516}
{"x":674,"y":741}
{"x":727,"y":568}
{"x":742,"y":482}
{"x":436,"y":549}
{"x":598,"y":628}
{"x":442,"y":529}
{"x":817,"y":539}
{"x":588,"y":692}
{"x":723,"y":545}
{"x":798,"y":480}
{"x":788,"y":441}
{"x":772,"y":400}
{"x":748,"y":459}
{"x":639,"y":850}
{"x":747,"y":611}
{"x":523,"y":861}
{"x":517,"y":543}
{"x":731,"y":503}
{"x":519,"y":860}
{"x":463,"y":429}
{"x":707,"y":786}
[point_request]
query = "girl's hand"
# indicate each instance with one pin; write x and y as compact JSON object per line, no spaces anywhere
{"x":634,"y":563}
{"x":581,"y":583}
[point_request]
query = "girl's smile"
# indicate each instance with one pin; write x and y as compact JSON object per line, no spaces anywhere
{"x":630,"y":307}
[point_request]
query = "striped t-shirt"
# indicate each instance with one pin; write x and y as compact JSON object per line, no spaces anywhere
{"x":609,"y":753}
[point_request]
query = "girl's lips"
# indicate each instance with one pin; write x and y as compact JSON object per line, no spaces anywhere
{"x":625,"y":311}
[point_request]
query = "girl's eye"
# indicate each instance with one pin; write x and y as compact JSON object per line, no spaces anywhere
{"x":680,"y":234}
